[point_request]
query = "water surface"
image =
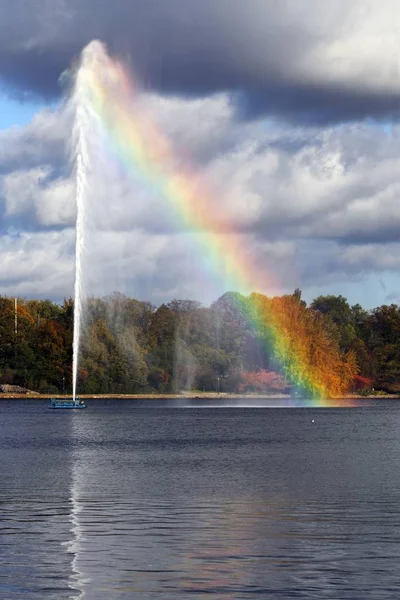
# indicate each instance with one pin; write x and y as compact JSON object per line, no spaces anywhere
{"x":144,"y":501}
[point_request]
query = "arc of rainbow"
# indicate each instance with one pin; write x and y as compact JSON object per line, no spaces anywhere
{"x":141,"y":147}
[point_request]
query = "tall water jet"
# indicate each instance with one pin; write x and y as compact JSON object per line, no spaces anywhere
{"x":83,"y":116}
{"x":80,"y":175}
{"x":101,"y":93}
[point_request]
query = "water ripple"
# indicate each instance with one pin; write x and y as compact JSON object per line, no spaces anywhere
{"x":315,"y":518}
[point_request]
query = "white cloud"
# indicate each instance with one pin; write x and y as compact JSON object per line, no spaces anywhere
{"x":42,"y":141}
{"x":365,"y":52}
{"x":309,"y":206}
{"x":37,"y":264}
{"x":52,"y":201}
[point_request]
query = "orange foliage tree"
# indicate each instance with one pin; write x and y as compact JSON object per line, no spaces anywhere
{"x":304,"y":343}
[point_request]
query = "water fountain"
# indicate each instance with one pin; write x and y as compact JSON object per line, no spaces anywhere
{"x":113,"y":130}
{"x":84,"y":117}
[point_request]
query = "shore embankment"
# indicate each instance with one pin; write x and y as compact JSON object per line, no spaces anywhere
{"x":183,"y":395}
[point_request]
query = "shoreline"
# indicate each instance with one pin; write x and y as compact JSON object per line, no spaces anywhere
{"x":186,"y":395}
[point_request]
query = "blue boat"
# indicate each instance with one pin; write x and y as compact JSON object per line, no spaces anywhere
{"x":58,"y":403}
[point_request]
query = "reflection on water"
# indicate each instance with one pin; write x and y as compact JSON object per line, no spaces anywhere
{"x":77,"y":581}
{"x":122,"y":503}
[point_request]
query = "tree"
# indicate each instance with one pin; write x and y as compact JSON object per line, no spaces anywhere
{"x":130,"y":346}
{"x":384,"y":342}
{"x":338,"y":310}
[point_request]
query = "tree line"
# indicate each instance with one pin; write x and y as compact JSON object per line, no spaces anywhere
{"x":237,"y":344}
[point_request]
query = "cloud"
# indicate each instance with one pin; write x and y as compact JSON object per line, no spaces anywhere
{"x":47,"y":201}
{"x":310,"y":61}
{"x":312,"y":206}
{"x":320,"y":264}
{"x":37,"y":264}
{"x":280,"y":107}
{"x":44,"y":140}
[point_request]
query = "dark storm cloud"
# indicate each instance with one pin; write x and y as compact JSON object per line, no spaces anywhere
{"x":327,"y":262}
{"x":377,"y":231}
{"x":269,"y":54}
{"x":381,"y":231}
{"x":317,"y":104}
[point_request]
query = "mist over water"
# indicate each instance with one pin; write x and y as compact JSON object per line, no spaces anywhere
{"x":116,"y":205}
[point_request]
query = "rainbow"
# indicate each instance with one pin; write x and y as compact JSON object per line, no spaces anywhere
{"x":143,"y":149}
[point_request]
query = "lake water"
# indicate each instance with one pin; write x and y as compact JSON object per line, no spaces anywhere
{"x":149,"y":501}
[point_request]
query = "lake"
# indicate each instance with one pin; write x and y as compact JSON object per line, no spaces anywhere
{"x":150,"y":501}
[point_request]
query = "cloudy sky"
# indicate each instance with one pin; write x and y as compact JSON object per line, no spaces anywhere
{"x":287,"y":110}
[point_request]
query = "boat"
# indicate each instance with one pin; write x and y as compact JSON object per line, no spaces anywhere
{"x":67,"y":403}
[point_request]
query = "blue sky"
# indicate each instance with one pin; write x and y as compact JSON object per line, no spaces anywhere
{"x":16,"y":112}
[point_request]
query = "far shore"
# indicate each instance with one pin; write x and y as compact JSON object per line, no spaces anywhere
{"x":185,"y":395}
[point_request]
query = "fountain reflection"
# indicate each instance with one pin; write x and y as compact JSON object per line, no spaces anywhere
{"x":77,"y":581}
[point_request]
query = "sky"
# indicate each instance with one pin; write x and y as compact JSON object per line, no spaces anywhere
{"x":288,"y":111}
